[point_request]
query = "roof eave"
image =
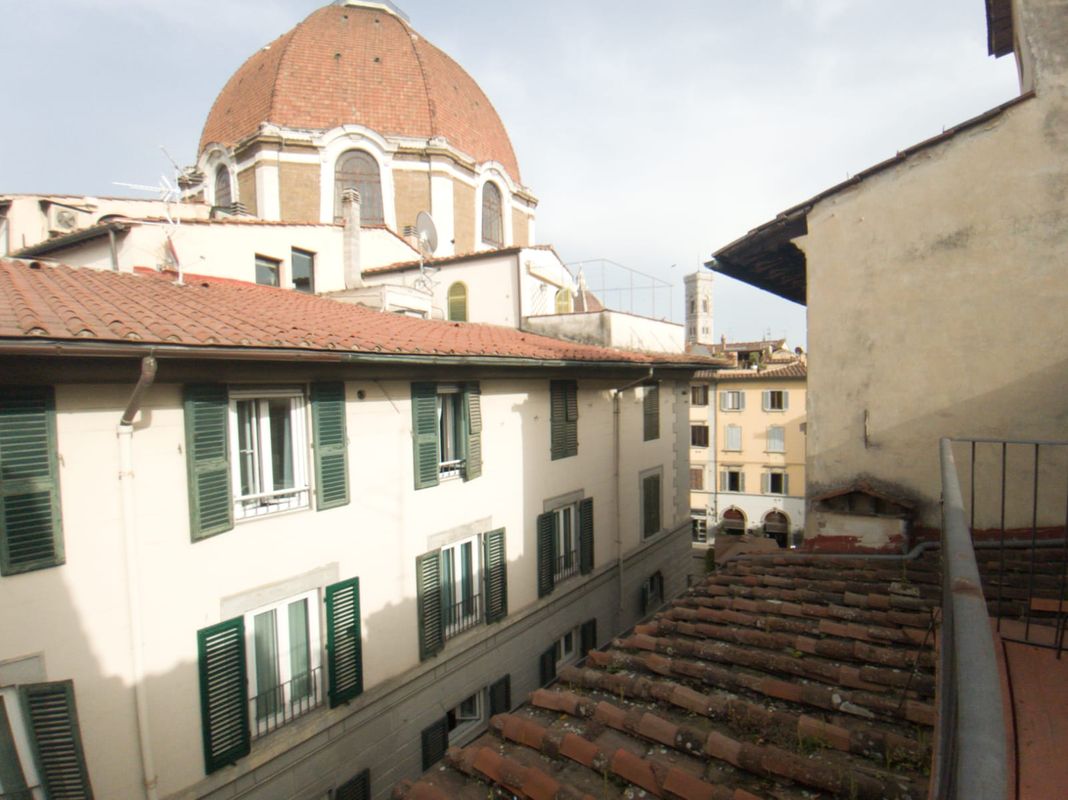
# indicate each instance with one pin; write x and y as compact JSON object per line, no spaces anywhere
{"x":71,"y":239}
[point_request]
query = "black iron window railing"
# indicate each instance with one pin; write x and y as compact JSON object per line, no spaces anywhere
{"x":463,"y":614}
{"x":278,"y":705}
{"x":567,"y":564}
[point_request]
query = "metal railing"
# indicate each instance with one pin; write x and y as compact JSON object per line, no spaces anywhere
{"x":463,"y":615}
{"x":567,"y":565}
{"x":274,"y":707}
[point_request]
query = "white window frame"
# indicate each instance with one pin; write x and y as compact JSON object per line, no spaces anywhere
{"x":732,"y":400}
{"x":450,"y":411}
{"x":263,"y":725}
{"x":465,"y":724}
{"x":566,"y":648}
{"x":269,"y":500}
{"x":776,"y":400}
{"x":727,"y":431}
{"x":780,"y":440}
{"x":473,"y":615}
{"x":565,"y":529}
{"x":733,"y":470}
{"x":768,"y":475}
{"x":20,"y":734}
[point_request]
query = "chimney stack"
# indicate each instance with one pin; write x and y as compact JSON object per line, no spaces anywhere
{"x":350,"y":210}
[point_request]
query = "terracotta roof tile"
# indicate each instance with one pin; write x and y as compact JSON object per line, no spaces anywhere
{"x":795,"y":371}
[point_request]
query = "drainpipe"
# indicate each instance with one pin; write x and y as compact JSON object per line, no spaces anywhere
{"x":129,"y":525}
{"x":114,"y":250}
{"x":350,"y":212}
{"x":619,"y":489}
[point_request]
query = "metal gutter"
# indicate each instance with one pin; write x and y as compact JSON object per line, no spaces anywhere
{"x":71,"y":239}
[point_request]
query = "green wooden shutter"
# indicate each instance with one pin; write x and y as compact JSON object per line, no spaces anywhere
{"x":651,"y":504}
{"x":358,"y":788}
{"x":473,"y":455}
{"x":31,"y":529}
{"x":785,"y":400}
{"x":344,"y":642}
{"x":496,"y":576}
{"x":585,"y":520}
{"x":12,"y":778}
{"x":223,"y":693}
{"x":547,"y":666}
{"x":425,"y":433}
{"x":57,"y":741}
{"x":428,"y":601}
{"x":571,"y":424}
{"x":435,"y":742}
{"x":207,"y":447}
{"x":741,"y":400}
{"x":651,"y":412}
{"x":588,"y":636}
{"x":546,"y":555}
{"x":500,"y":696}
{"x":645,"y":598}
{"x":741,"y":481}
{"x":331,"y":458}
{"x":557,"y":419}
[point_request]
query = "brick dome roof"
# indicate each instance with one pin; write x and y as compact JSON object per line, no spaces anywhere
{"x":351,"y":64}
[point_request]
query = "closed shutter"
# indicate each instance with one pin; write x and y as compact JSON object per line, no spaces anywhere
{"x":776,"y":443}
{"x":585,"y":514}
{"x":734,"y":437}
{"x":546,"y":555}
{"x":588,"y":637}
{"x":496,"y":576}
{"x":651,"y":413}
{"x":425,"y":433}
{"x":31,"y":530}
{"x":547,"y":666}
{"x":359,"y":788}
{"x":563,"y":418}
{"x":207,"y":445}
{"x":644,"y":599}
{"x":571,"y":419}
{"x":473,"y":456}
{"x":435,"y":743}
{"x":223,"y":693}
{"x":500,"y":696}
{"x":331,"y":459}
{"x":651,"y":504}
{"x":57,"y":741}
{"x":431,"y":619}
{"x":344,"y":642}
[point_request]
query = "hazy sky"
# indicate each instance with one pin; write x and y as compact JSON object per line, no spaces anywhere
{"x":652,"y":133}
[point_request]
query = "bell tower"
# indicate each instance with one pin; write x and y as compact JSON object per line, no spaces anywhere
{"x":699,"y":308}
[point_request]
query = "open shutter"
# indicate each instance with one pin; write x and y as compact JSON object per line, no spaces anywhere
{"x":741,"y":401}
{"x":223,"y":693}
{"x":496,"y":575}
{"x":344,"y":643}
{"x":359,"y":788}
{"x":547,"y":666}
{"x":588,"y":637}
{"x":331,"y":460}
{"x":723,"y":481}
{"x":57,"y":741}
{"x":651,"y":504}
{"x":585,"y":516}
{"x":425,"y":433}
{"x":207,"y":447}
{"x":765,"y":399}
{"x":765,"y":481}
{"x":645,"y":598}
{"x":722,"y":401}
{"x":500,"y":696}
{"x":473,"y":459}
{"x":785,"y":400}
{"x":431,"y":619}
{"x":651,"y":412}
{"x":785,"y":483}
{"x":435,"y":742}
{"x":31,"y":531}
{"x":741,"y":481}
{"x":546,"y":556}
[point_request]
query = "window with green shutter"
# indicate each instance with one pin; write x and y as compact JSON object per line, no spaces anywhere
{"x":344,"y":642}
{"x":224,"y":703}
{"x":588,"y":637}
{"x":428,"y":602}
{"x":473,"y":447}
{"x":585,"y":513}
{"x":496,"y":576}
{"x":358,"y":788}
{"x":650,"y":502}
{"x":500,"y":696}
{"x":31,"y":530}
{"x":563,"y":419}
{"x":546,"y":534}
{"x":207,"y":447}
{"x":329,"y":440}
{"x":52,"y":725}
{"x":446,"y":432}
{"x":651,"y":412}
{"x":547,"y":666}
{"x":435,"y":740}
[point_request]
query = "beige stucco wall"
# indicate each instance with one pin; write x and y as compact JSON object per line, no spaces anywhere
{"x":936,"y":294}
{"x":520,"y":228}
{"x":412,"y":194}
{"x":246,"y":187}
{"x":298,"y":191}
{"x":463,"y":216}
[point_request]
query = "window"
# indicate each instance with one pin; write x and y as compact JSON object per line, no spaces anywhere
{"x":732,"y":479}
{"x":283,"y":651}
{"x":460,"y":586}
{"x":492,"y":222}
{"x":776,"y":439}
{"x":732,"y":438}
{"x":565,"y":543}
{"x":733,"y":400}
{"x":358,"y":170}
{"x":650,"y":503}
{"x":775,"y":482}
{"x":463,"y":722}
{"x":303,"y":266}
{"x":651,"y":412}
{"x":652,"y":592}
{"x":697,"y":479}
{"x":563,"y":419}
{"x":699,"y":527}
{"x":777,"y":526}
{"x":32,"y":534}
{"x":447,"y":432}
{"x":247,"y":452}
{"x":699,"y":436}
{"x":566,"y":649}
{"x":457,"y":302}
{"x":563,"y":303}
{"x":224,"y":197}
{"x":699,"y":395}
{"x":268,"y":271}
{"x":776,"y":400}
{"x":41,"y":751}
{"x":465,"y":719}
{"x":733,"y":521}
{"x":357,"y":788}
{"x":262,"y":669}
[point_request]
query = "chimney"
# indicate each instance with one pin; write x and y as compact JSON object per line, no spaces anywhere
{"x":350,"y":211}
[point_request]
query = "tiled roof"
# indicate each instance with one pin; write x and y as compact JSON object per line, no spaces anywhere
{"x":63,"y":303}
{"x":351,"y":65}
{"x":746,"y":346}
{"x":797,"y":370}
{"x":442,"y":261}
{"x":782,"y":677}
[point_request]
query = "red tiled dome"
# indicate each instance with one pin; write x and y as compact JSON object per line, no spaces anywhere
{"x":365,"y":66}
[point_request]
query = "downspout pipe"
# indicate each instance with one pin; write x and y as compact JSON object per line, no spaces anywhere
{"x":616,"y":458}
{"x":133,"y":594}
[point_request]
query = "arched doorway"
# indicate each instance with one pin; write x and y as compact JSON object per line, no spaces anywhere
{"x":777,"y":526}
{"x":734,"y":521}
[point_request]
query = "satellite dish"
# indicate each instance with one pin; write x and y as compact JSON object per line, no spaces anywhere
{"x":427,"y":234}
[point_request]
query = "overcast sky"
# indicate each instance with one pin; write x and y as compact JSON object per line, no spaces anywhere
{"x":652,"y":133}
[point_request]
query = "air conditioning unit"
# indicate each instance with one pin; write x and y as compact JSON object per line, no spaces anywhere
{"x":63,"y":220}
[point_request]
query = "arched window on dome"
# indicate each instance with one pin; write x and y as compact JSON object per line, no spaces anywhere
{"x":224,"y":196}
{"x":358,"y":170}
{"x":563,"y":301}
{"x":458,"y":302}
{"x":492,"y":223}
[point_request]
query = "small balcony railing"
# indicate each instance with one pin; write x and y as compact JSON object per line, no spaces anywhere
{"x":281,"y":704}
{"x":567,"y":564}
{"x":463,"y":615}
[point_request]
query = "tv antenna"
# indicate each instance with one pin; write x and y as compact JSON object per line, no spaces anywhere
{"x":169,"y":194}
